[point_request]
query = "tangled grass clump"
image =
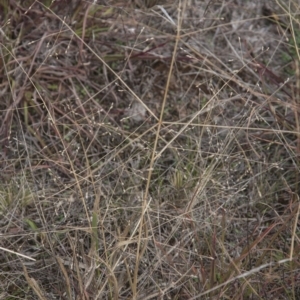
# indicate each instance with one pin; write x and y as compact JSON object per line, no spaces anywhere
{"x":149,"y":153}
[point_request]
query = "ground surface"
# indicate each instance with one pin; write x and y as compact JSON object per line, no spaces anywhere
{"x":149,"y":153}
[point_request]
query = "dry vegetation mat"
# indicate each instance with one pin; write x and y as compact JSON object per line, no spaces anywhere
{"x":149,"y":152}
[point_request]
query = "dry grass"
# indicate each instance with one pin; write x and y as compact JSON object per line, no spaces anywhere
{"x":149,"y":154}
